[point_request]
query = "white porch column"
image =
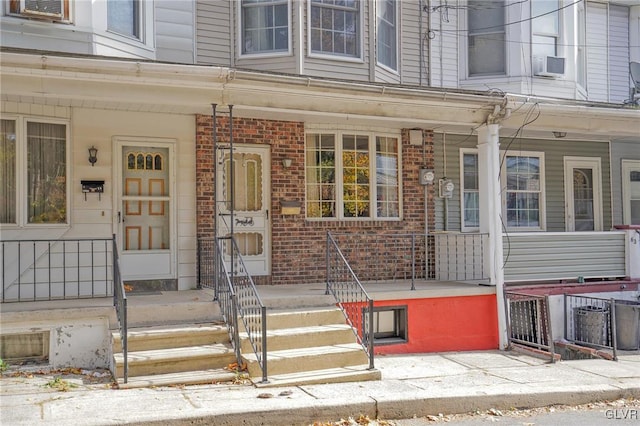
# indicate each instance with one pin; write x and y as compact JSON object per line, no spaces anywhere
{"x":490,"y":212}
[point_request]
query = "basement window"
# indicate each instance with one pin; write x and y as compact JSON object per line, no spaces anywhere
{"x":389,"y":325}
{"x":25,"y":347}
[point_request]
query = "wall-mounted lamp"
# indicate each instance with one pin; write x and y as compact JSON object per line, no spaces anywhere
{"x":286,"y":162}
{"x":559,"y":134}
{"x":93,"y":155}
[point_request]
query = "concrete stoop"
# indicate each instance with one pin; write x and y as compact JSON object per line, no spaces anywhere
{"x":174,"y":355}
{"x":309,"y":346}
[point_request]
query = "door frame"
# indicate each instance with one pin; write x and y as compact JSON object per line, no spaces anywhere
{"x":595,"y":164}
{"x":118,"y":143}
{"x":626,"y":166}
{"x":265,"y":152}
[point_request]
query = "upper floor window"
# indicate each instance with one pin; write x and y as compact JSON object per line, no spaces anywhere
{"x":387,"y":34}
{"x":545,"y":25}
{"x":521,"y":178}
{"x":54,"y":10}
{"x":123,"y":17}
{"x":335,"y":27}
{"x":33,"y":172}
{"x":486,"y":37}
{"x":265,"y":26}
{"x":352,"y":175}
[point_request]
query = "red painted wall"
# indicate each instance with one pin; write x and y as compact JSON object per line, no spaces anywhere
{"x":447,"y":324}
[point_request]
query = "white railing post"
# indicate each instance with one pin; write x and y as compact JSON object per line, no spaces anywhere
{"x":490,"y":216}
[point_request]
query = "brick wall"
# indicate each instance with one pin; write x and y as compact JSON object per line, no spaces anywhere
{"x":298,"y":245}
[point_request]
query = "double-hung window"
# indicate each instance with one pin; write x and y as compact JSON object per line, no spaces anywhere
{"x":486,"y":41}
{"x":521,"y":176}
{"x":387,"y":34}
{"x":352,"y":175}
{"x":33,"y":172}
{"x":124,"y":18}
{"x":335,"y":27}
{"x":545,"y":24}
{"x":264,"y":26}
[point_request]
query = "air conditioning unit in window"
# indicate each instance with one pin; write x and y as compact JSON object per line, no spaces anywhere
{"x":548,"y":66}
{"x":45,"y":9}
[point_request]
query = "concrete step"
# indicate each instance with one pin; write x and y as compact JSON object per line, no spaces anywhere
{"x":175,"y":360}
{"x":198,"y":377}
{"x":179,"y":307}
{"x":308,"y":317}
{"x":356,"y":373}
{"x":307,"y":359}
{"x":303,"y":337}
{"x":175,"y":336}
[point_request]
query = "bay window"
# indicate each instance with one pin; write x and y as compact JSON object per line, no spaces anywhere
{"x":387,"y":34}
{"x":265,"y":26}
{"x":335,"y":27}
{"x":40,"y":194}
{"x":352,"y":175}
{"x":123,"y":17}
{"x":486,"y":37}
{"x":545,"y":24}
{"x":521,"y":176}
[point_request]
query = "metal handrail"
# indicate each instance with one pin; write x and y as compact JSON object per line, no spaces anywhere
{"x":120,"y":303}
{"x":529,"y":321}
{"x":351,"y":297}
{"x":239,"y":301}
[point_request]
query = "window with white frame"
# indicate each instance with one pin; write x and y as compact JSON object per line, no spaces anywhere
{"x":33,"y":172}
{"x":545,"y":24}
{"x":335,"y":27}
{"x":265,"y":26}
{"x":124,"y":17}
{"x":52,"y":10}
{"x":352,"y":175}
{"x":387,"y":34}
{"x":521,"y":177}
{"x":486,"y":41}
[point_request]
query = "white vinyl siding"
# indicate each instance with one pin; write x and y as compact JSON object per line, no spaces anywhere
{"x":618,"y":53}
{"x":411,"y":61}
{"x":597,"y":67}
{"x":443,"y":55}
{"x":175,"y":31}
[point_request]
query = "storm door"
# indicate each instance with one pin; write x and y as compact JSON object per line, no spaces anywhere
{"x":249,"y":216}
{"x":144,"y":211}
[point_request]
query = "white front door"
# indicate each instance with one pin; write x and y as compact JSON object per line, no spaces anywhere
{"x":251,"y":193}
{"x":583,"y":194}
{"x":631,"y":192}
{"x":144,"y":206}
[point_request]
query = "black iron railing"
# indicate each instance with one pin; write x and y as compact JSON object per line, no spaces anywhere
{"x":529,"y":321}
{"x":591,"y":321}
{"x":237,"y":295}
{"x":37,"y":270}
{"x":351,"y":297}
{"x":120,"y":303}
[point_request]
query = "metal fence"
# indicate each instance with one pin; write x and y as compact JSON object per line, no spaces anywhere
{"x":529,"y":321}
{"x":590,"y":321}
{"x":237,"y":295}
{"x":37,"y":270}
{"x":351,"y":296}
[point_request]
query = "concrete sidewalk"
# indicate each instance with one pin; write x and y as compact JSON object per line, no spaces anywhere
{"x":411,"y":385}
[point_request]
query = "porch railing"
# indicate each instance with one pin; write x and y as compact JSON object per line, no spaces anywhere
{"x":414,"y":256}
{"x":529,"y":321}
{"x":590,"y":321}
{"x":351,"y":296}
{"x":238,"y":297}
{"x":120,"y":303}
{"x":39,"y":270}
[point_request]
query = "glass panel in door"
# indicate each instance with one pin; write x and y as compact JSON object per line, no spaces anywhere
{"x":583,"y":200}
